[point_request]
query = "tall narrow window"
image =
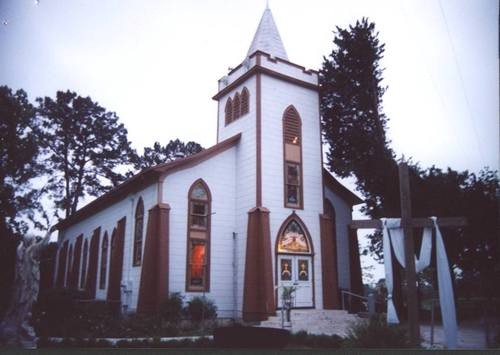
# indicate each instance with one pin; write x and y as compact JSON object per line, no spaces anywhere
{"x":69,"y":272}
{"x":244,"y":101}
{"x":139,"y":224}
{"x":104,"y":262}
{"x":236,"y":106}
{"x":292,"y":150}
{"x":229,"y":111}
{"x":197,"y":273}
{"x":85,"y":254}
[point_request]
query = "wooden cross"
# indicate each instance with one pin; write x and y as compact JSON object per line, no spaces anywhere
{"x":408,"y":223}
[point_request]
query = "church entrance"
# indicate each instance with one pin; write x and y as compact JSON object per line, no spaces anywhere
{"x":294,"y":263}
{"x":295,"y":272}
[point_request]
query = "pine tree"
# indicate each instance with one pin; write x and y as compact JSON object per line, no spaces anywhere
{"x":85,"y":146}
{"x":352,"y":119}
{"x":159,"y":154}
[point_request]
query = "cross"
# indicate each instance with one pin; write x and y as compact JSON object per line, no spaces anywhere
{"x":408,"y":223}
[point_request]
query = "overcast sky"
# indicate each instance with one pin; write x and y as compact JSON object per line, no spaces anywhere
{"x":156,"y":63}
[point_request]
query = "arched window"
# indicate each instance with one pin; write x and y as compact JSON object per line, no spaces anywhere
{"x":138,"y":232}
{"x":293,"y":239}
{"x":229,"y":111}
{"x":104,"y":262}
{"x":244,"y":101}
{"x":198,"y":255}
{"x":70,"y":266}
{"x":85,"y":254}
{"x":236,"y":106}
{"x":292,"y":149}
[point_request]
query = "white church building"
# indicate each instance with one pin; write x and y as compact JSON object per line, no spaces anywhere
{"x":235,"y":222}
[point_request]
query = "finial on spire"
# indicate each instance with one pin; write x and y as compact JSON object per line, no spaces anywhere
{"x":267,"y":4}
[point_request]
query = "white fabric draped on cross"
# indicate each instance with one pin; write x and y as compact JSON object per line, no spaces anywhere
{"x":393,"y":234}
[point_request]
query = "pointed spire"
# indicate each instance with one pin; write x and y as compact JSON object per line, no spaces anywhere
{"x":267,"y":38}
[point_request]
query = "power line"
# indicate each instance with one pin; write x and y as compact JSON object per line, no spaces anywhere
{"x":445,"y":113}
{"x":455,"y":57}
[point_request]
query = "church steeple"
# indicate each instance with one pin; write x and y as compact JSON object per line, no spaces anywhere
{"x":267,"y":38}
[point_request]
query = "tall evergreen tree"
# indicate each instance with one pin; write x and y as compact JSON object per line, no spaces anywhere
{"x":352,"y":119}
{"x":159,"y":154}
{"x":85,"y":146}
{"x":354,"y":127}
{"x":18,"y":166}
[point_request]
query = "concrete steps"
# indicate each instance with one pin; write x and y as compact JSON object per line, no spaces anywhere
{"x":315,"y":321}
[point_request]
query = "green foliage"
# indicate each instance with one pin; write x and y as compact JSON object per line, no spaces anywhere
{"x":354,"y":127}
{"x":201,"y":308}
{"x":287,"y":293}
{"x":19,"y":150}
{"x":84,"y":144}
{"x":171,"y":308}
{"x":303,"y":339}
{"x":376,"y":333}
{"x":159,"y":154}
{"x":70,"y":313}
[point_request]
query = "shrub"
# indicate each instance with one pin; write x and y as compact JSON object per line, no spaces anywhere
{"x":171,"y":308}
{"x":57,"y":311}
{"x":200,"y":308}
{"x":376,"y":333}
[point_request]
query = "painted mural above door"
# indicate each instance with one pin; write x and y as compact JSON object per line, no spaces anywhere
{"x":293,"y":240}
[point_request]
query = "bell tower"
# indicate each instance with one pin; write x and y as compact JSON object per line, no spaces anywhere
{"x":274,"y":104}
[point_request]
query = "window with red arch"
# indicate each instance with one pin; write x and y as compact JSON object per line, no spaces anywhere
{"x":85,"y":255}
{"x":104,"y":262}
{"x":237,"y":106}
{"x":197,"y":273}
{"x":229,"y":111}
{"x":70,"y":265}
{"x":138,"y":232}
{"x":292,"y":151}
{"x":244,"y":101}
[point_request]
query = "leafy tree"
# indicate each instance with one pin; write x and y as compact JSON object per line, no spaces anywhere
{"x":18,"y":166}
{"x":353,"y":122}
{"x":85,"y":146}
{"x":354,"y":127}
{"x":159,"y":154}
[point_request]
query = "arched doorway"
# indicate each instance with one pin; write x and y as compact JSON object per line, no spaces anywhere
{"x":294,"y":262}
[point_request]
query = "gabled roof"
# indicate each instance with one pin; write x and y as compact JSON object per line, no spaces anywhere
{"x":333,"y":184}
{"x":143,"y":179}
{"x":267,"y":38}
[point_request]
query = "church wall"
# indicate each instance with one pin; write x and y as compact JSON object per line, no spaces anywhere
{"x":343,"y":218}
{"x":289,"y":69}
{"x":236,"y":73}
{"x":245,"y":173}
{"x":277,"y":95}
{"x":107,"y":219}
{"x":219,"y":174}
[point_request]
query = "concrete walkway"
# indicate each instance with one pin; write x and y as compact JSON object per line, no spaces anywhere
{"x":470,"y":336}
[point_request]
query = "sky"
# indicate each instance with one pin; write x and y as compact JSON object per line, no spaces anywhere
{"x":156,"y":63}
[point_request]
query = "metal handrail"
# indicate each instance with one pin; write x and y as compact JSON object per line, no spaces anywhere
{"x":343,"y":293}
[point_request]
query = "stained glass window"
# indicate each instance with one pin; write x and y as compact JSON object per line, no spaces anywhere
{"x":138,"y":232}
{"x":286,"y":269}
{"x":293,"y":239}
{"x":303,"y":269}
{"x":198,"y":237}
